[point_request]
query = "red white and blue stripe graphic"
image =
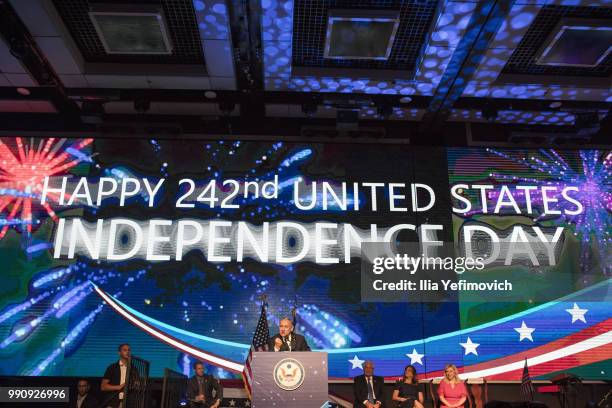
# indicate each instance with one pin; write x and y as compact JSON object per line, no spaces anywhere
{"x":555,"y":336}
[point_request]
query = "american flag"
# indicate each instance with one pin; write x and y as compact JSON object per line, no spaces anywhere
{"x":526,"y":385}
{"x":294,"y":313}
{"x":260,"y":343}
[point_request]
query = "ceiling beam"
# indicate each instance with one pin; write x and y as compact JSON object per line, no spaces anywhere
{"x":288,"y":97}
{"x":482,"y":27}
{"x":245,"y":17}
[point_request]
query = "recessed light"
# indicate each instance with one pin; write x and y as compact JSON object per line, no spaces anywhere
{"x":577,"y":43}
{"x":555,"y":105}
{"x":135,"y":31}
{"x":360,"y":34}
{"x":210,"y":94}
{"x":23,"y":91}
{"x":405,"y":99}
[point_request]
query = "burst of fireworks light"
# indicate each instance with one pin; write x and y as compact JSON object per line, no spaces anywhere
{"x":329,"y":327}
{"x":24,"y":306}
{"x":53,"y":275}
{"x":73,"y":335}
{"x":593,"y":181}
{"x":22,"y":174}
{"x":65,"y":299}
{"x":186,"y":364}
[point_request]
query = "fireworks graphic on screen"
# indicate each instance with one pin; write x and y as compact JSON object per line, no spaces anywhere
{"x":22,"y":173}
{"x":59,"y":292}
{"x":592,"y":180}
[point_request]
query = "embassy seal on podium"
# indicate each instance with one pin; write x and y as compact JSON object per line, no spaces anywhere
{"x":289,"y":374}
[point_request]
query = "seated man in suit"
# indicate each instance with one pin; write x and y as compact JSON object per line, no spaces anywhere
{"x":84,"y":398}
{"x":286,"y":340}
{"x":368,"y":388}
{"x":200,"y":389}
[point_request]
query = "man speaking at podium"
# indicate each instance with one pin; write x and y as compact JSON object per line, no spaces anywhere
{"x":286,"y":340}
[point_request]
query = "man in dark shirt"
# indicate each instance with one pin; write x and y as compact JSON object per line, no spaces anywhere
{"x":200,"y":389}
{"x":84,"y":398}
{"x":113,"y":382}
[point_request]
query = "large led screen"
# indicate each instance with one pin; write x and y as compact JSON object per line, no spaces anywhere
{"x":173,"y":245}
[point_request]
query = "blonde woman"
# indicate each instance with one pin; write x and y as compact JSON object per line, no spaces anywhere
{"x":451,"y":390}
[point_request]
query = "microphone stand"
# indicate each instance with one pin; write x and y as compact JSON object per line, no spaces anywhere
{"x":287,"y":342}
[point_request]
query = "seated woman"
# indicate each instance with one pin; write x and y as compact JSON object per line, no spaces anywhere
{"x":407,"y":391}
{"x":452,"y":390}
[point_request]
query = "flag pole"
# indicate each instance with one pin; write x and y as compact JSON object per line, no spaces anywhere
{"x":294,"y":314}
{"x":263,"y":315}
{"x":263,"y":298}
{"x":526,"y":385}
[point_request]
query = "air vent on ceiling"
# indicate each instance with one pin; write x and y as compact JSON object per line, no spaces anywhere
{"x":129,"y":30}
{"x":360,"y":34}
{"x":577,"y":43}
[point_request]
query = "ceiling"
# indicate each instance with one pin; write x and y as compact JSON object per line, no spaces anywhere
{"x":234,"y":63}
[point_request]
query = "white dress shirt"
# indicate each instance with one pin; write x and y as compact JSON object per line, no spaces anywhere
{"x":370,"y":380}
{"x":123,"y":368}
{"x":80,"y":400}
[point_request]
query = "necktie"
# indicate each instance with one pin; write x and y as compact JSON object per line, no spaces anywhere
{"x":370,"y":390}
{"x":201,"y":387}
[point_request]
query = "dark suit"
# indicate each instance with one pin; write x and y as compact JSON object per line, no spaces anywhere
{"x":360,"y":390}
{"x":90,"y":401}
{"x":298,"y":343}
{"x":209,"y":383}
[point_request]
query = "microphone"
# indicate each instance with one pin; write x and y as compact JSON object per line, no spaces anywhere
{"x":286,"y":339}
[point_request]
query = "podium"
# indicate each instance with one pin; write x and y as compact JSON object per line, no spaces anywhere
{"x":289,"y":379}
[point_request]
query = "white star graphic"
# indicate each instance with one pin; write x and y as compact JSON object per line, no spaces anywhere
{"x":470,"y":347}
{"x":577,"y":313}
{"x":415,"y":357}
{"x":232,"y":403}
{"x":247,"y":403}
{"x":525,"y":332}
{"x":357,"y":363}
